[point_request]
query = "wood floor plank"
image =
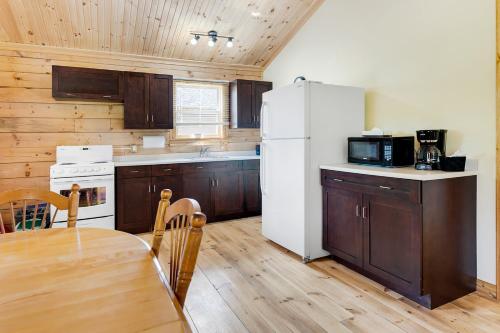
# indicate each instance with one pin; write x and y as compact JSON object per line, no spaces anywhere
{"x":246,"y":283}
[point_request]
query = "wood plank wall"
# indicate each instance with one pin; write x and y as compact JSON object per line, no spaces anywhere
{"x":32,"y":123}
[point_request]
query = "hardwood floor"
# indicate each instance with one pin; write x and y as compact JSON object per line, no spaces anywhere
{"x":245,"y":283}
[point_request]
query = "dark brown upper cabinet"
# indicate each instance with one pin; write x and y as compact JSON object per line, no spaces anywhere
{"x":148,"y":101}
{"x":87,"y":83}
{"x":246,"y":101}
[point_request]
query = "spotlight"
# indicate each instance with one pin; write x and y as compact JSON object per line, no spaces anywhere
{"x":229,"y":42}
{"x":194,"y":41}
{"x":211,"y":41}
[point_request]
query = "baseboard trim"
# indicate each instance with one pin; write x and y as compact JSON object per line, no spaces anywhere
{"x":486,"y":290}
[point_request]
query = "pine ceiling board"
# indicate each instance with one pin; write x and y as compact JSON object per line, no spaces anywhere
{"x":24,"y":25}
{"x":273,"y":18}
{"x":168,"y":25}
{"x":157,"y":27}
{"x":147,"y":25}
{"x":116,"y":23}
{"x":153,"y":27}
{"x":251,"y":27}
{"x":9,"y":24}
{"x":182,"y":31}
{"x":179,"y":10}
{"x":86,"y":30}
{"x":277,"y":32}
{"x":161,"y":28}
{"x":128,"y":25}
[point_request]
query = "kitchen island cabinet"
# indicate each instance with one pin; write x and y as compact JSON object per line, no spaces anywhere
{"x":416,"y":236}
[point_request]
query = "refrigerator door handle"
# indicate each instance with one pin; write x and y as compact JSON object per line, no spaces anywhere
{"x":263,"y":121}
{"x":262,"y":168}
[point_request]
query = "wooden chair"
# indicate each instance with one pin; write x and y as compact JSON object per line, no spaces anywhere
{"x":184,"y":221}
{"x":28,"y":201}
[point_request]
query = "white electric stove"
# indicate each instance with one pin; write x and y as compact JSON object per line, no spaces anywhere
{"x":90,"y":167}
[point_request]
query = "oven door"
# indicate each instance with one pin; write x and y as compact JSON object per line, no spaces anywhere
{"x":366,"y":151}
{"x":97,"y":196}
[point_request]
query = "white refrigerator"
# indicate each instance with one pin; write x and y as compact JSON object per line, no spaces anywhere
{"x":303,"y":126}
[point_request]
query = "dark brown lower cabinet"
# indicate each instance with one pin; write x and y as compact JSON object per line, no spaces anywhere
{"x":251,"y":187}
{"x":392,"y":240}
{"x":228,"y":193}
{"x":198,"y":187}
{"x":133,"y":205}
{"x":415,"y":237}
{"x":224,"y":190}
{"x":344,"y":235}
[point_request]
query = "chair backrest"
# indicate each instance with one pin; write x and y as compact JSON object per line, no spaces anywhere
{"x":29,"y":204}
{"x":184,"y":221}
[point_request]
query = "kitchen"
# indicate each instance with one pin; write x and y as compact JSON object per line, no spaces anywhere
{"x":399,"y":96}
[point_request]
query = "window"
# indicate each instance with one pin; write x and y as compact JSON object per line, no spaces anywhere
{"x":200,"y":109}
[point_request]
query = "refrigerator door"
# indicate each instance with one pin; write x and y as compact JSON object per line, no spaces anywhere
{"x":283,"y":192}
{"x":283,"y":113}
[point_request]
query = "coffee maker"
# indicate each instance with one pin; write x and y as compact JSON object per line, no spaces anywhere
{"x":432,"y":148}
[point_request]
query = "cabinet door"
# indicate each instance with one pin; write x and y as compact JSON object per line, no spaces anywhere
{"x":133,"y":201}
{"x":173,"y":183}
{"x":227,"y":193}
{"x":161,"y":101}
{"x":252,"y":194}
{"x":245,"y":115}
{"x":87,"y":83}
{"x":342,"y":224}
{"x":260,"y":87}
{"x":197,"y":186}
{"x":136,"y":99}
{"x":392,"y":241}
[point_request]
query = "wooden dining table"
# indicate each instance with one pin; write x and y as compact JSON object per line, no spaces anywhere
{"x":84,"y":280}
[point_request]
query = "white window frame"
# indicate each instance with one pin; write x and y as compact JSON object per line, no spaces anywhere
{"x":222,"y":111}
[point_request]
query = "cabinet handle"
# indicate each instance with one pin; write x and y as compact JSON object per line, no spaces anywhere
{"x":364,"y":212}
{"x":337,"y":180}
{"x":199,"y":167}
{"x":68,"y":94}
{"x":154,"y":188}
{"x":217,"y":182}
{"x":167,"y":170}
{"x":385,"y":187}
{"x":134,"y":171}
{"x":212,"y":183}
{"x":149,"y":188}
{"x":147,"y":118}
{"x":152,"y":118}
{"x":107,"y":96}
{"x":357,"y":210}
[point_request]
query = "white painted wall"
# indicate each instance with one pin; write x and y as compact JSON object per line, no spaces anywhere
{"x":425,"y":64}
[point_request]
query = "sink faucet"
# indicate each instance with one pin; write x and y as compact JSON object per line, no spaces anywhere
{"x":203,"y":151}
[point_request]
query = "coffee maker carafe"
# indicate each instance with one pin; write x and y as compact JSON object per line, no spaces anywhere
{"x":432,"y":147}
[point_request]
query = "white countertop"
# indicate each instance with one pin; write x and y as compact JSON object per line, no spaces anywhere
{"x":131,"y":160}
{"x":403,"y":173}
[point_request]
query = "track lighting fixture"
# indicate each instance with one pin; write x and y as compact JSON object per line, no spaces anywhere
{"x":213,"y":36}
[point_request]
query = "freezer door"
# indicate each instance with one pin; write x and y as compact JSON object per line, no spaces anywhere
{"x":283,"y":113}
{"x":283,"y":196}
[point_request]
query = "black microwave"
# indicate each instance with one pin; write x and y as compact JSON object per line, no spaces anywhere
{"x":384,"y":151}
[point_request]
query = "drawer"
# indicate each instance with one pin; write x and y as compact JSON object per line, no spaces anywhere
{"x":133,"y":171}
{"x":250,"y":164}
{"x":166,"y":169}
{"x":211,"y":166}
{"x":403,"y":188}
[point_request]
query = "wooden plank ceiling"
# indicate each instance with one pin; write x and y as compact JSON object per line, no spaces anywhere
{"x":158,"y":27}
